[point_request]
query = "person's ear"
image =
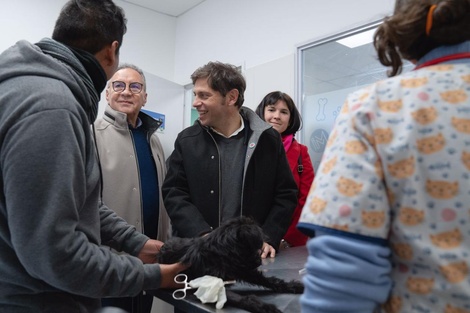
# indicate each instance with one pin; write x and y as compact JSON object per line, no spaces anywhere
{"x":232,"y":96}
{"x":112,"y":54}
{"x":145,"y":98}
{"x":109,"y":59}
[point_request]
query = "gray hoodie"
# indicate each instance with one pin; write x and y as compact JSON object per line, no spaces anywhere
{"x":51,"y":222}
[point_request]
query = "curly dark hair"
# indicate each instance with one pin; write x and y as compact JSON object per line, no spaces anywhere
{"x":403,"y":34}
{"x":222,"y":77}
{"x":90,"y":25}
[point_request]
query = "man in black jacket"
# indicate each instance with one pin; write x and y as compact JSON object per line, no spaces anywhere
{"x":229,"y":163}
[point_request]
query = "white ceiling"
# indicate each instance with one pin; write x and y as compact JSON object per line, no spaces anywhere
{"x":169,"y":7}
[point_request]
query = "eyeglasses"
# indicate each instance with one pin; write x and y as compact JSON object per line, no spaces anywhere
{"x":119,"y":86}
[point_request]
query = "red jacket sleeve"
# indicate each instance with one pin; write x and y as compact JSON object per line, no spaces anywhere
{"x":304,"y":181}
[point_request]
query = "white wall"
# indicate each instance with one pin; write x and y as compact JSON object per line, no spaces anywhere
{"x":149,"y":41}
{"x":259,"y":33}
{"x":274,"y":75}
{"x":27,"y":19}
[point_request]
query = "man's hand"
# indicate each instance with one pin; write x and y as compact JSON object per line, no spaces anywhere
{"x":267,"y":251}
{"x":149,"y":251}
{"x":168,"y":272}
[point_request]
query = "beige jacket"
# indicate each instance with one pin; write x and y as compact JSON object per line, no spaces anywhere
{"x":121,"y":182}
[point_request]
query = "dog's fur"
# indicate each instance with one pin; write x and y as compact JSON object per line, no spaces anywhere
{"x":230,"y":252}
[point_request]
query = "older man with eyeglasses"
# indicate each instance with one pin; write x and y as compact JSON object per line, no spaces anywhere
{"x":133,"y":165}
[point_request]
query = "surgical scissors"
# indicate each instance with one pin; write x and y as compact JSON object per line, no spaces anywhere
{"x":179,"y":294}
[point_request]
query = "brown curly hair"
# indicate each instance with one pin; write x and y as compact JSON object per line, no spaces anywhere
{"x":403,"y":34}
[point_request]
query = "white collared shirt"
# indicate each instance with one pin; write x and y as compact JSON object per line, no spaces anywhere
{"x":236,"y":132}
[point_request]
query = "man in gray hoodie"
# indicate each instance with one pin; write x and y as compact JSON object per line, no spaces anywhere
{"x":52,"y":221}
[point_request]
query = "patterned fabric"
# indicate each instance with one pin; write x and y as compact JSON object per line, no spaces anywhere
{"x":397,"y":168}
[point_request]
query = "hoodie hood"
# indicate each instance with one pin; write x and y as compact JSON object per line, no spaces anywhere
{"x":53,"y":60}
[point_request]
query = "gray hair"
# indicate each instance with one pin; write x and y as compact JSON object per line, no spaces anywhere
{"x":135,"y":68}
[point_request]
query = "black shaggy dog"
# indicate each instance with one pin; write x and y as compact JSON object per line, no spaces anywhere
{"x":230,"y":252}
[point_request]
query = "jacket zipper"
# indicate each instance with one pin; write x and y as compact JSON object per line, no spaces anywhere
{"x":139,"y":180}
{"x":220,"y":182}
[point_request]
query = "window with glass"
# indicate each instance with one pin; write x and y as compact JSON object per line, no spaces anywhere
{"x":328,"y":70}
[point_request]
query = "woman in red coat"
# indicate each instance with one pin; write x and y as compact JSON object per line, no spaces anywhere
{"x":278,"y":109}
